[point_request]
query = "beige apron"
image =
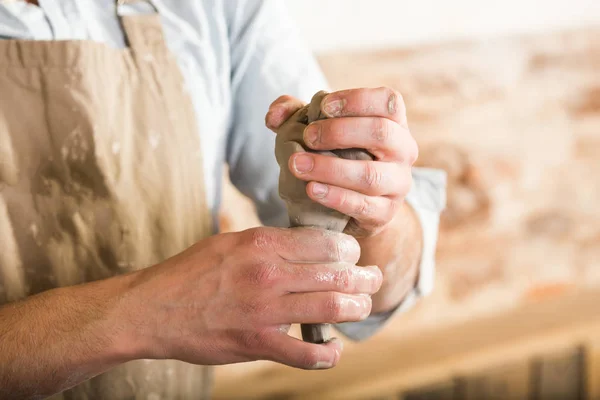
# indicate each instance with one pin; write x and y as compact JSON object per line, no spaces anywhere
{"x":100,"y":174}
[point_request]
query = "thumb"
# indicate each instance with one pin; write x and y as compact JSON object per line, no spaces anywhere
{"x":282,"y":109}
{"x":290,"y":351}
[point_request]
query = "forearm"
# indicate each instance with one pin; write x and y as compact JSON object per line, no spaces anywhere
{"x":59,"y":338}
{"x":397,"y":252}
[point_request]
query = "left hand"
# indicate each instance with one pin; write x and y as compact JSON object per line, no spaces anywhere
{"x":370,"y":192}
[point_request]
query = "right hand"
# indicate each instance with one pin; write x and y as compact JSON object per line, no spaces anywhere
{"x":231,"y":298}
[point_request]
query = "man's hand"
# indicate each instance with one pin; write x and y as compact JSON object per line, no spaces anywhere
{"x":227,"y":299}
{"x":370,"y":192}
{"x":232,"y":298}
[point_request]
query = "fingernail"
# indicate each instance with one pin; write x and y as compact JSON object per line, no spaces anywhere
{"x":372,"y":273}
{"x":392,"y":104}
{"x":303,"y":163}
{"x":369,"y":272}
{"x":354,"y":306}
{"x":322,"y":365}
{"x":320,"y":190}
{"x":367,"y":309}
{"x":312,"y":134}
{"x":340,"y":342}
{"x":338,"y":351}
{"x":363,"y":305}
{"x":365,"y":315}
{"x":333,"y":107}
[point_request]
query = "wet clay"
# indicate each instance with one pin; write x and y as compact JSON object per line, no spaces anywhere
{"x":301,"y":209}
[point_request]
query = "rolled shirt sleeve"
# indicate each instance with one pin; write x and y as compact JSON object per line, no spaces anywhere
{"x":270,"y":59}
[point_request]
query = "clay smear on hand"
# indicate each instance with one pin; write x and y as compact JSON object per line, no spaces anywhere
{"x":302,"y":210}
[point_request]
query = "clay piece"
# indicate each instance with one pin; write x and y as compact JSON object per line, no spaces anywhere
{"x":304,"y":212}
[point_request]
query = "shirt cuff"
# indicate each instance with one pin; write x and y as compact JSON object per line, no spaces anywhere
{"x":428,"y":199}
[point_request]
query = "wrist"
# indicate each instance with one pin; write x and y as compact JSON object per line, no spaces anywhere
{"x":118,"y":324}
{"x":397,"y":252}
{"x":143,"y":315}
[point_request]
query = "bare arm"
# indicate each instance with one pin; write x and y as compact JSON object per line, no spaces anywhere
{"x":59,"y":338}
{"x":227,"y":299}
{"x":397,"y":252}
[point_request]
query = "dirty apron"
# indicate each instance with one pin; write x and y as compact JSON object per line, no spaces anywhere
{"x":100,"y":174}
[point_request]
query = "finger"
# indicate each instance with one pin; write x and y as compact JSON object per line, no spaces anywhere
{"x":380,"y":102}
{"x":321,"y":307}
{"x":290,"y":351}
{"x":281,"y":110}
{"x":341,"y":277}
{"x":383,"y":138}
{"x":370,"y":211}
{"x":373,"y":178}
{"x":307,"y":245}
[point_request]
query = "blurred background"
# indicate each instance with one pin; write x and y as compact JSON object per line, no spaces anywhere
{"x":505,"y":96}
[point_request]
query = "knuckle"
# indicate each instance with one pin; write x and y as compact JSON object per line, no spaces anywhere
{"x":343,"y":247}
{"x":262,"y":274}
{"x":334,"y":131}
{"x":253,"y":307}
{"x":252,"y":340}
{"x":333,"y":307}
{"x":372,"y":177}
{"x":266,"y":274}
{"x":343,"y":280}
{"x":344,"y":200}
{"x":363,"y":208}
{"x":337,"y":249}
{"x":335,"y":166}
{"x":260,"y":238}
{"x":381,"y":130}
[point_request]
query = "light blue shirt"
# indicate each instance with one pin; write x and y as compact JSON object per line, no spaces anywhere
{"x":236,"y":56}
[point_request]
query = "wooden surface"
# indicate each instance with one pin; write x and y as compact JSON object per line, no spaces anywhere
{"x":516,"y":124}
{"x":560,"y":376}
{"x":390,"y":365}
{"x":507,"y":381}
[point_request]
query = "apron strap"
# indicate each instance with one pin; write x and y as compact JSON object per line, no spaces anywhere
{"x":143,"y":32}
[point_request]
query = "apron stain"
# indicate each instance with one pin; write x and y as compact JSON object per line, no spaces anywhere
{"x":9,"y":170}
{"x":103,"y":188}
{"x":11,"y":266}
